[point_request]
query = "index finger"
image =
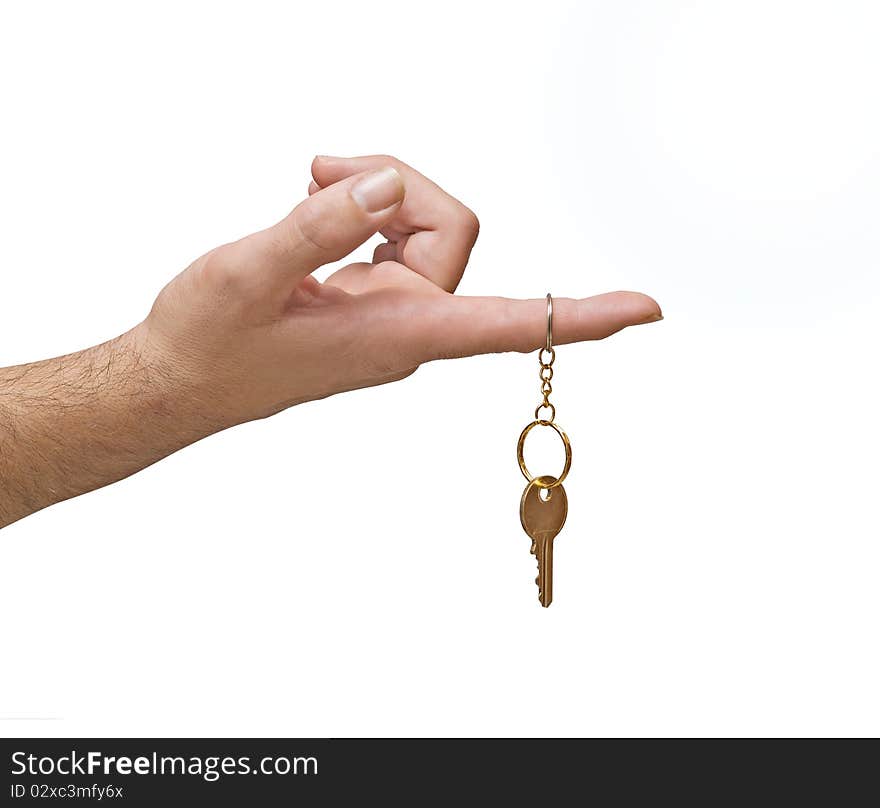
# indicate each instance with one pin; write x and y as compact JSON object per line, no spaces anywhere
{"x":433,"y":232}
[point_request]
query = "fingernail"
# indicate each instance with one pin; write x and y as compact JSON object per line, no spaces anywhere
{"x":653,"y":318}
{"x":378,"y":190}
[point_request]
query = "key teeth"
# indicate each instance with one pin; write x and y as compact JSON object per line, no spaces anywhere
{"x":541,"y":597}
{"x":545,"y":602}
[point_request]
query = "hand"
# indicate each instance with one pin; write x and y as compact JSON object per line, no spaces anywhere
{"x":246,"y":330}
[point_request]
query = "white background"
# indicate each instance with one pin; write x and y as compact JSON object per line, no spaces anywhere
{"x":356,"y":566}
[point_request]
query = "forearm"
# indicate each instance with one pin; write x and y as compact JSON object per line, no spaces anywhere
{"x":79,"y":422}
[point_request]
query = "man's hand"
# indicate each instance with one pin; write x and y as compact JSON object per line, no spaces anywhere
{"x":246,"y":331}
{"x":253,"y":333}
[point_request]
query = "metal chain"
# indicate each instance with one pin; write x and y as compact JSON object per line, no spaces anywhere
{"x":546,"y":374}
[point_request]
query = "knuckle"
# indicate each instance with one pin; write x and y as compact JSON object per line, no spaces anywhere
{"x":218,"y":268}
{"x":307,"y":229}
{"x":383,"y":160}
{"x":470,"y":223}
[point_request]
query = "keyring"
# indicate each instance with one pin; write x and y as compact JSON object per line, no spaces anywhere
{"x":550,"y":326}
{"x":546,"y":374}
{"x":522,"y":463}
{"x":543,"y":506}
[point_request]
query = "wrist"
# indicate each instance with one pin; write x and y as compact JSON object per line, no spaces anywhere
{"x":165,"y":391}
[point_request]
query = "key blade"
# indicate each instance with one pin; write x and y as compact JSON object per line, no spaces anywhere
{"x":544,"y":553}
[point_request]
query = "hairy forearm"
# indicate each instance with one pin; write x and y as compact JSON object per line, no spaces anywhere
{"x":82,"y":421}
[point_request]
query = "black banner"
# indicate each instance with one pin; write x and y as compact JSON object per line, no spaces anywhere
{"x":254,"y":772}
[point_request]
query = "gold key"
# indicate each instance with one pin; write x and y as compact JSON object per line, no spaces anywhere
{"x":544,"y":503}
{"x":542,"y":519}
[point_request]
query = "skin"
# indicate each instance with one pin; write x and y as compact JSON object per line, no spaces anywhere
{"x":245,"y":332}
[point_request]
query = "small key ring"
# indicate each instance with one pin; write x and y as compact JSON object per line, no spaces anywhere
{"x":522,"y":463}
{"x":547,"y":406}
{"x":549,"y":346}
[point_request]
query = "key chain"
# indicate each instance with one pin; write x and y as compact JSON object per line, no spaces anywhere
{"x":542,"y":518}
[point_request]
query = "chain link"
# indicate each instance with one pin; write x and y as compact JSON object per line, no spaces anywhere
{"x":546,"y":374}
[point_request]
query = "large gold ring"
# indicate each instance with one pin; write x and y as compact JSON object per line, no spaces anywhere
{"x":522,"y":463}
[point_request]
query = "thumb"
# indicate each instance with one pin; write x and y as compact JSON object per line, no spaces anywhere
{"x":321,"y":229}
